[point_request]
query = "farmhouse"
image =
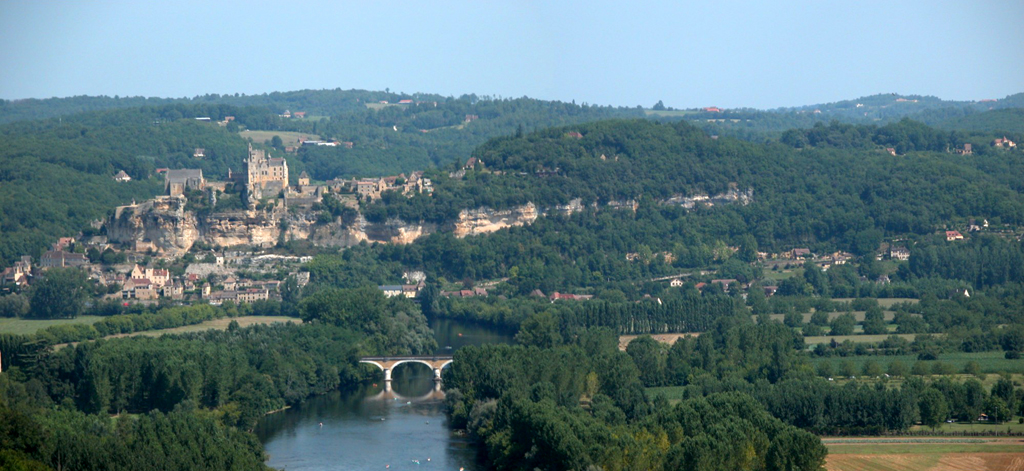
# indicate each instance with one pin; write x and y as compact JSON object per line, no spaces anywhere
{"x":391,"y":290}
{"x":1004,"y":142}
{"x":122,"y":177}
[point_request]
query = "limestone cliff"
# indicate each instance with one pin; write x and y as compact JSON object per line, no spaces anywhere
{"x":484,"y":220}
{"x":161,"y":224}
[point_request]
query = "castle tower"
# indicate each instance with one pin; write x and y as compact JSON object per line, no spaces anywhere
{"x":264,"y":176}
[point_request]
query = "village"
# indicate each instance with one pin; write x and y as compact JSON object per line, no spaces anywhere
{"x":141,"y":271}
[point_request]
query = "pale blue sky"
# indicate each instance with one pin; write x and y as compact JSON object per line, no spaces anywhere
{"x":724,"y":53}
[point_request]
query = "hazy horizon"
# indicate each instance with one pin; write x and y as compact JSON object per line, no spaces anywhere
{"x":728,"y":54}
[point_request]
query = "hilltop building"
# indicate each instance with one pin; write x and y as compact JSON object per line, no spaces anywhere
{"x":178,"y":181}
{"x":264,"y":175}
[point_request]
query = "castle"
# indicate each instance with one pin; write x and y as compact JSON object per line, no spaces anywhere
{"x":264,"y":176}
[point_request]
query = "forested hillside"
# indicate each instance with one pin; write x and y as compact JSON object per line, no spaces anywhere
{"x":57,"y":174}
{"x":831,"y":185}
{"x":40,"y":158}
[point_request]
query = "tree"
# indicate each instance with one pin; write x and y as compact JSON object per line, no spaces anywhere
{"x":60,"y":294}
{"x":897,"y":368}
{"x":13,"y":305}
{"x":541,"y":330}
{"x":997,"y":409}
{"x":874,"y":321}
{"x":276,"y":142}
{"x":343,"y":307}
{"x":933,"y":407}
{"x":659,"y":106}
{"x":649,"y":358}
{"x":871,"y":369}
{"x":843,"y":325}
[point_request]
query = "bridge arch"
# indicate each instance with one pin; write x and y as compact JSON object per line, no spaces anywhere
{"x":387,"y":364}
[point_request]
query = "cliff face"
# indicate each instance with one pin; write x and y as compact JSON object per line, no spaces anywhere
{"x":162,"y":222}
{"x":484,"y":220}
{"x":165,"y":226}
{"x":241,"y":228}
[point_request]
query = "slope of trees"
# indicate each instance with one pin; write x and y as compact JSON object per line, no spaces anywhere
{"x":577,"y":406}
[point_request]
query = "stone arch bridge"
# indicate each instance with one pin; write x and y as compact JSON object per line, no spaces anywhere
{"x":387,"y":364}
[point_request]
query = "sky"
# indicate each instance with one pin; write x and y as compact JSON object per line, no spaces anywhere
{"x":724,"y":53}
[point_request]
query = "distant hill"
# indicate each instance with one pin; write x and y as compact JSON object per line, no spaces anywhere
{"x":56,"y":173}
{"x":838,"y":187}
{"x":47,"y":158}
{"x":879,"y":109}
{"x":1009,"y":120}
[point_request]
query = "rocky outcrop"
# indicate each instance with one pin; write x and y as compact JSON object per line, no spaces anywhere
{"x":240,"y":228}
{"x":485,"y":220}
{"x":161,"y":224}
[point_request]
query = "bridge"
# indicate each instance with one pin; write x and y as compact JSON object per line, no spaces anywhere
{"x":386,"y":364}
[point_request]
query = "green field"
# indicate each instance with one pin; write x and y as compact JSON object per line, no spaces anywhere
{"x":674,"y":394}
{"x":289,"y":138}
{"x":858,"y":315}
{"x":812,"y":341}
{"x":869,"y":448}
{"x":883,"y":302}
{"x":12,"y":325}
{"x":777,"y":276}
{"x":989,"y":362}
{"x":214,"y":324}
{"x":1011,"y":426}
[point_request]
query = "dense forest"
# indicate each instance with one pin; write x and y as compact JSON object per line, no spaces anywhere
{"x":189,"y":400}
{"x":583,"y":405}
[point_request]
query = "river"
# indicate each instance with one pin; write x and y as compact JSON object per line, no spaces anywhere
{"x":369,"y":429}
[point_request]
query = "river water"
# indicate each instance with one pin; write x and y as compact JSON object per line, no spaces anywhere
{"x":370,"y":429}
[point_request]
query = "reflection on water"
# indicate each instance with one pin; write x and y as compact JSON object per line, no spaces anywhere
{"x":452,"y":335}
{"x":370,"y":429}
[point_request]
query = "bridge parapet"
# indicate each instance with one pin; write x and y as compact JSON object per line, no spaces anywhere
{"x":388,"y":363}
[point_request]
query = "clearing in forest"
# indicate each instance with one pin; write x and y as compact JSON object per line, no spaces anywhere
{"x":289,"y":138}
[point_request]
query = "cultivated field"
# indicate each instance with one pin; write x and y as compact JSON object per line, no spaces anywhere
{"x":664,"y":338}
{"x":289,"y":138}
{"x":885,"y":303}
{"x":929,"y":454}
{"x":12,"y":325}
{"x":988,"y":362}
{"x":811,"y":341}
{"x":215,"y":324}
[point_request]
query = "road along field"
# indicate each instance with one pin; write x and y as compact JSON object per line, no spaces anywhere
{"x":924,"y":454}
